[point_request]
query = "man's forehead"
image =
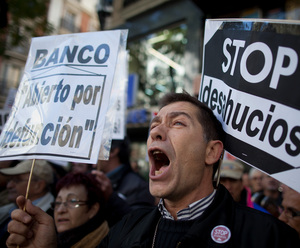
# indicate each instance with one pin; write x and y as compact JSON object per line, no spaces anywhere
{"x":181,"y":106}
{"x":292,"y":194}
{"x":171,"y":114}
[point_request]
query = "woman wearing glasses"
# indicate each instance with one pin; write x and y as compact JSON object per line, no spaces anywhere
{"x":79,"y":211}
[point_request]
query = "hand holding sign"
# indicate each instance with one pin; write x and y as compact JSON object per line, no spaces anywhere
{"x":61,"y":106}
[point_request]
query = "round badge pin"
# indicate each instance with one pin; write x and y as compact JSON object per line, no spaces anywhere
{"x":220,"y":234}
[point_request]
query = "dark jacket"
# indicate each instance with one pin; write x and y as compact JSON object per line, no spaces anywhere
{"x":131,"y":187}
{"x":248,"y":228}
{"x":88,"y":234}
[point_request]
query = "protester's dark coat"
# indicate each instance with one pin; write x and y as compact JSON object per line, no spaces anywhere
{"x":88,"y":235}
{"x":132,"y":187}
{"x":248,"y":227}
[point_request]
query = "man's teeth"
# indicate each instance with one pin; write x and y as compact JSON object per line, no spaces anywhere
{"x":156,"y":155}
{"x":157,"y":172}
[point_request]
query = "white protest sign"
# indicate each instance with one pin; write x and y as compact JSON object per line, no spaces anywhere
{"x":120,"y":116}
{"x":60,"y":107}
{"x":250,"y":80}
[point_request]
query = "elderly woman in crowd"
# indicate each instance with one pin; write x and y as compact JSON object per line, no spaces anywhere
{"x":79,"y":211}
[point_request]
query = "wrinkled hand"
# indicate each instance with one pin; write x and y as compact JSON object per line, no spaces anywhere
{"x":31,"y":229}
{"x":104,"y":183}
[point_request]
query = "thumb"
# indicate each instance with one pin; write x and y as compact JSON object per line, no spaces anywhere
{"x":21,"y":201}
{"x":37,"y":213}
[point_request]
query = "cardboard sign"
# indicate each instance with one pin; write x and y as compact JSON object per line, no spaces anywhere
{"x":61,"y":105}
{"x":250,"y":80}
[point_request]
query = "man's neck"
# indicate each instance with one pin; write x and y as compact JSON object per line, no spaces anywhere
{"x":174,"y":206}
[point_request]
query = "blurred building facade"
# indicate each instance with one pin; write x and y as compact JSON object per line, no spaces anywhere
{"x":165,"y":46}
{"x":73,"y":16}
{"x":67,"y":16}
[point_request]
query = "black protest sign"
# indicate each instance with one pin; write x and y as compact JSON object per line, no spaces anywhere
{"x":249,"y":80}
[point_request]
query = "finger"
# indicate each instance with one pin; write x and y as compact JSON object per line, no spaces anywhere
{"x":31,"y":212}
{"x":21,"y":216}
{"x":19,"y":228}
{"x":37,"y":213}
{"x":100,"y":176}
{"x":15,"y":240}
{"x":21,"y":201}
{"x":97,"y":173}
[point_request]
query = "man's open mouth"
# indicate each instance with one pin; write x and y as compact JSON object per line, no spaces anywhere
{"x":161,"y":161}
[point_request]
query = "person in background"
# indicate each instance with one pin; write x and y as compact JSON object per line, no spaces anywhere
{"x":245,"y":179}
{"x":128,"y":184}
{"x":231,"y":176}
{"x":60,"y":169}
{"x":270,"y":197}
{"x":39,"y":190}
{"x":291,"y":208}
{"x":81,"y":167}
{"x":3,"y":181}
{"x":255,"y":178}
{"x":185,"y":145}
{"x":6,"y":203}
{"x":79,"y":211}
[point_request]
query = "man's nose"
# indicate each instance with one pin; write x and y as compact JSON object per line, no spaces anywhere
{"x":282,"y":217}
{"x":158,"y":133}
{"x":10,"y":184}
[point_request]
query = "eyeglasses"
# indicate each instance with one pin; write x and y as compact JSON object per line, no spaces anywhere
{"x":290,"y":213}
{"x":72,"y":203}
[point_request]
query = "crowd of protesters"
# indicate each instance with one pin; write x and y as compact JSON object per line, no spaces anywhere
{"x":86,"y":202}
{"x":83,"y":201}
{"x":260,"y":191}
{"x":90,"y":204}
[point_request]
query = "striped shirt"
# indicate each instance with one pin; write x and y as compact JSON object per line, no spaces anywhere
{"x":192,"y":212}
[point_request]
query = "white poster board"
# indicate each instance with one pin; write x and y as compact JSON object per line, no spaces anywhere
{"x":250,"y":80}
{"x":61,"y":105}
{"x":119,"y":129}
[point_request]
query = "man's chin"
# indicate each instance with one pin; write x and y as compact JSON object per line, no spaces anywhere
{"x":157,"y":191}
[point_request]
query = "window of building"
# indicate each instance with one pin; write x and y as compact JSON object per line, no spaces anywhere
{"x":158,"y":61}
{"x":11,"y":77}
{"x":68,"y":22}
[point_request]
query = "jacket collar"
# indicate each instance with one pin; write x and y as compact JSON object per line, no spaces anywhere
{"x":220,"y":212}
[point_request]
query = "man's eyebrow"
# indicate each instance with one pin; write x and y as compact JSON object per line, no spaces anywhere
{"x":175,"y":114}
{"x":171,"y":115}
{"x":155,"y":119}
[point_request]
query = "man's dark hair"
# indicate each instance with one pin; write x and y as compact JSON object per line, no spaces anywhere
{"x":212,"y":127}
{"x":124,"y":149}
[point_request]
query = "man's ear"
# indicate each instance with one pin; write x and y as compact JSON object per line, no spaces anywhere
{"x":214,"y":151}
{"x":39,"y":186}
{"x":114,"y":152}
